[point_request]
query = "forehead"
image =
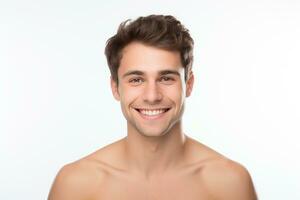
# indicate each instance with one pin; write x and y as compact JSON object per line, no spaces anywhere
{"x":149,"y":59}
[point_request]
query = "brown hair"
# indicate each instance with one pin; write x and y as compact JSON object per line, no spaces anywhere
{"x":162,"y":31}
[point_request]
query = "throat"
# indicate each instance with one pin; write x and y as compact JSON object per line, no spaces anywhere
{"x":155,"y":155}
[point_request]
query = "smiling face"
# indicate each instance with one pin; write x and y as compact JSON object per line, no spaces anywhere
{"x":151,"y":89}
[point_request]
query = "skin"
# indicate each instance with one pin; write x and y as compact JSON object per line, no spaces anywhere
{"x":156,"y":160}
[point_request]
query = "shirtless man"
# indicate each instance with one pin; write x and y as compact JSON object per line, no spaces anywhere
{"x":150,"y":60}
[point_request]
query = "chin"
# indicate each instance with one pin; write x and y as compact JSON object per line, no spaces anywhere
{"x":153,"y":133}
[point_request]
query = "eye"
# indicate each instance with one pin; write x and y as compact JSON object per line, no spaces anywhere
{"x":136,"y":81}
{"x":166,"y":79}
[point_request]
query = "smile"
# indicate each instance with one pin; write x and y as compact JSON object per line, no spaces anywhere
{"x":152,"y":112}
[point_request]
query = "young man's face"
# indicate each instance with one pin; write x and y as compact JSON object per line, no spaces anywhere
{"x":151,"y":88}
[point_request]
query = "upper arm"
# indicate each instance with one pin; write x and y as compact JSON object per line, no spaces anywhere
{"x":75,"y":182}
{"x":230,"y":180}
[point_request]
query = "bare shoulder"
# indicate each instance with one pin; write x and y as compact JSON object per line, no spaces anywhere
{"x":85,"y":178}
{"x":227,"y":179}
{"x":77,"y":181}
{"x":222,"y":177}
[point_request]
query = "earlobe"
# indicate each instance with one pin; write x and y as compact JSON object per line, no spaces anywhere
{"x":114,"y":89}
{"x":189,"y":84}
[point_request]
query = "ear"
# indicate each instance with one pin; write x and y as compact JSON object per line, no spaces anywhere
{"x":114,"y":89}
{"x":189,"y":84}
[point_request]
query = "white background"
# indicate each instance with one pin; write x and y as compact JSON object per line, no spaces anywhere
{"x":56,"y":105}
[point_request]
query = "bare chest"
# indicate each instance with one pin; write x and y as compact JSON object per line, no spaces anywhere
{"x":163,"y":188}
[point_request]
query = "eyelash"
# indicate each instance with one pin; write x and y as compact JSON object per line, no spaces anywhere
{"x":134,"y":80}
{"x":164,"y":78}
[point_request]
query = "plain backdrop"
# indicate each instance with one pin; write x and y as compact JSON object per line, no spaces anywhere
{"x":56,"y":105}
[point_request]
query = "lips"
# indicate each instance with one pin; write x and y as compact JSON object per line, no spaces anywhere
{"x":152,"y":113}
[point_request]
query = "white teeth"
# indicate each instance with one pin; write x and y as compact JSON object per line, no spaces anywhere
{"x":152,"y":112}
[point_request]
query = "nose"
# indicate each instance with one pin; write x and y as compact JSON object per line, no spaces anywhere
{"x":152,"y":93}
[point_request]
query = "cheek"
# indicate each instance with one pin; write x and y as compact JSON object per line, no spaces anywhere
{"x":128,"y":95}
{"x":175,"y":93}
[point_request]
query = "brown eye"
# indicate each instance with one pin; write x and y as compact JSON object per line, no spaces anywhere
{"x":166,"y":79}
{"x":135,"y":81}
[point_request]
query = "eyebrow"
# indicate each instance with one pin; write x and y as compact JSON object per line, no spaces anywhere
{"x":166,"y":72}
{"x":140,"y":73}
{"x":133,"y":72}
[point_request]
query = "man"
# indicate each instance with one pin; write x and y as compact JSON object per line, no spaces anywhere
{"x":150,"y":60}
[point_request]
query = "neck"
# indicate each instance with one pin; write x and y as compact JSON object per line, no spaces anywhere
{"x":152,"y":156}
